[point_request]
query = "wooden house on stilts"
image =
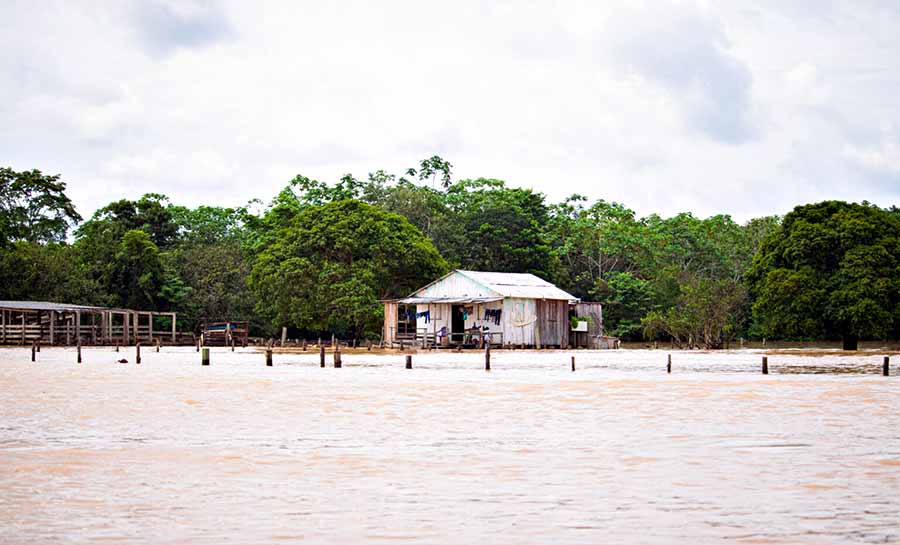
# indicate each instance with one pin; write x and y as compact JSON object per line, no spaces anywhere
{"x":470,"y":308}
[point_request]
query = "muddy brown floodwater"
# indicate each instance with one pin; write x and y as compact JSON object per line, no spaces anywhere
{"x":617,"y":452}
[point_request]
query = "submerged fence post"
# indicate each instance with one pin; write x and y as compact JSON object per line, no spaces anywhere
{"x":669,"y":364}
{"x":765,"y":365}
{"x":37,"y":345}
{"x":157,"y":344}
{"x":137,"y":349}
{"x":321,"y":354}
{"x":78,"y":350}
{"x":487,"y":357}
{"x":204,"y":358}
{"x":269,"y":357}
{"x":573,"y":364}
{"x":33,"y":348}
{"x":337,"y":358}
{"x":886,"y":366}
{"x":117,"y":346}
{"x":304,"y":345}
{"x":409,"y":362}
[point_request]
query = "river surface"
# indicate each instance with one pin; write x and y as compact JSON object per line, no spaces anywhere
{"x":617,"y":452}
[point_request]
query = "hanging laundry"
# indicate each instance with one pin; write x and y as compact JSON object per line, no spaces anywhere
{"x":426,"y":315}
{"x":493,"y":315}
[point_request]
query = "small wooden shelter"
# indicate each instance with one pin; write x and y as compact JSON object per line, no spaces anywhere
{"x":225,"y":333}
{"x":23,"y":322}
{"x":470,"y":308}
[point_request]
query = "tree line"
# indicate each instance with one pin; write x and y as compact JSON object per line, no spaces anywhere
{"x":320,"y":257}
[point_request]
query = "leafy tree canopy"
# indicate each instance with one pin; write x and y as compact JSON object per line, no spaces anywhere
{"x":831,"y":270}
{"x":329,"y":268}
{"x":34,"y":207}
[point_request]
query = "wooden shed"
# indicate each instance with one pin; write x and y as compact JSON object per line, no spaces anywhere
{"x":470,"y":308}
{"x":22,"y":322}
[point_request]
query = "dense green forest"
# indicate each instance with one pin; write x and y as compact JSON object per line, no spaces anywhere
{"x":318,"y":257}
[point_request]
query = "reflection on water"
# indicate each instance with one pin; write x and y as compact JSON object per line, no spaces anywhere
{"x":619,"y":451}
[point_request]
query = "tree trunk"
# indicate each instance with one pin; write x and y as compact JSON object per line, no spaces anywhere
{"x":850,"y":341}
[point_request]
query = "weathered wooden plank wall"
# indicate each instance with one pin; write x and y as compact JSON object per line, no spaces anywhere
{"x":553,"y":321}
{"x":390,"y":322}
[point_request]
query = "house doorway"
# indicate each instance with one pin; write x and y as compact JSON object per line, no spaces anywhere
{"x":457,"y":324}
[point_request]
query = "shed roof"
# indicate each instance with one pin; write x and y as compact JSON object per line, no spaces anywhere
{"x":524,"y":285}
{"x":454,"y":300}
{"x":47,"y":306}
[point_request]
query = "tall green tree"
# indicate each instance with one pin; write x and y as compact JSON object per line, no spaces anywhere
{"x":142,"y":275}
{"x":34,"y":207}
{"x":30,"y":271}
{"x":831,"y":270}
{"x":503,"y":228}
{"x":329,"y":268}
{"x":708,"y":312}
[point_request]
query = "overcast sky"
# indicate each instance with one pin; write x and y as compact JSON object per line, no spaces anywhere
{"x":747,"y":109}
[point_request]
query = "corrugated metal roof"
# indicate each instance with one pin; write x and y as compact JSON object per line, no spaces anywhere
{"x":436,"y":300}
{"x":523,"y":285}
{"x":45,"y":305}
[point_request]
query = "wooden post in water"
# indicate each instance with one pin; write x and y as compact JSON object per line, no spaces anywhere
{"x":487,"y":357}
{"x":204,"y":359}
{"x":401,"y":345}
{"x":369,"y":346}
{"x":304,"y":345}
{"x":283,"y":336}
{"x":669,"y":364}
{"x":38,"y":345}
{"x":409,"y":362}
{"x":321,"y":355}
{"x":78,"y":350}
{"x":886,"y":366}
{"x":137,"y":353}
{"x":117,"y":346}
{"x":337,"y":357}
{"x":269,"y":357}
{"x":573,"y":364}
{"x":157,"y":344}
{"x":232,"y":344}
{"x":765,"y":365}
{"x":33,"y":348}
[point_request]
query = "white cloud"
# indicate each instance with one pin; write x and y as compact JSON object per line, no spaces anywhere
{"x":883,"y":158}
{"x":666,"y":107}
